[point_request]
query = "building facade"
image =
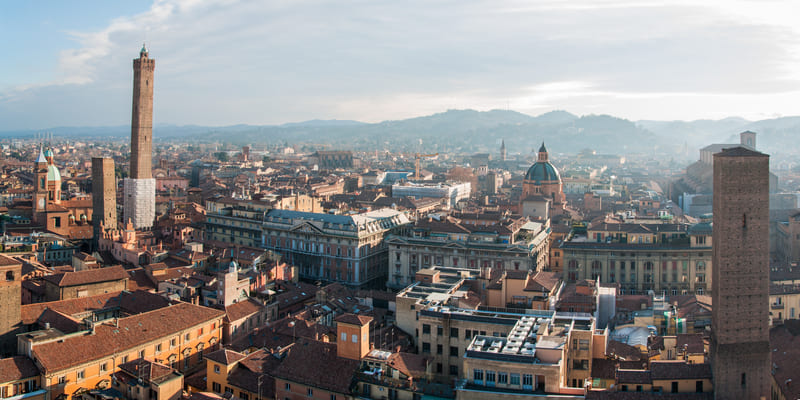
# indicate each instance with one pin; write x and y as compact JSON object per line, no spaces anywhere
{"x":334,"y":248}
{"x":672,"y":259}
{"x":514,"y":246}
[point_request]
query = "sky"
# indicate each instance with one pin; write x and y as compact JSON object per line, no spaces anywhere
{"x":225,"y":62}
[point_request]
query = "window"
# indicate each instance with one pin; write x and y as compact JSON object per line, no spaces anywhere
{"x":333,"y":397}
{"x":310,"y":392}
{"x":81,"y":374}
{"x":527,"y":380}
{"x":216,"y":387}
{"x":287,"y":386}
{"x":439,"y":331}
{"x":141,"y":353}
{"x":515,"y":379}
{"x":674,"y":387}
{"x":426,"y":329}
{"x":103,"y":367}
{"x":228,"y":390}
{"x":158,"y":348}
{"x":344,"y":336}
{"x":698,"y":386}
{"x":62,"y":379}
{"x":453,"y":351}
{"x":439,"y":349}
{"x":502,"y":377}
{"x":439,"y":368}
{"x":454,"y":370}
{"x":454,"y":332}
{"x":354,"y":338}
{"x":426,"y":347}
{"x":172,"y":342}
{"x":244,"y":396}
{"x":216,"y":369}
{"x":187,"y":336}
{"x":744,"y":380}
{"x":477,"y":375}
{"x":490,"y":376}
{"x":467,"y":334}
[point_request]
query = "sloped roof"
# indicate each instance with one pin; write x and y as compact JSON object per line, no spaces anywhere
{"x":86,"y":277}
{"x":129,"y":333}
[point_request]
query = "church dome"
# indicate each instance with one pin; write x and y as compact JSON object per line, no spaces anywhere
{"x":48,"y":153}
{"x":542,"y":171}
{"x":53,"y":174}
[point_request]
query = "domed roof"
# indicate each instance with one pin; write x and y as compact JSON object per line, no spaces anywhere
{"x":542,"y":171}
{"x":52,"y":173}
{"x":48,"y":153}
{"x":233,"y":266}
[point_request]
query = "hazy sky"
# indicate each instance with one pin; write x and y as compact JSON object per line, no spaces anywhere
{"x":222,"y":62}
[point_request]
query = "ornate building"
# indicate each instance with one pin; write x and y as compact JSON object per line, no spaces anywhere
{"x":68,"y":218}
{"x":542,"y":193}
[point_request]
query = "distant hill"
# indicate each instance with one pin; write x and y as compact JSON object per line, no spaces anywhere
{"x":480,"y":131}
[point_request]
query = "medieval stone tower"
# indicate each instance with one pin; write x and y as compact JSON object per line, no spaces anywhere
{"x":104,"y":195}
{"x":140,"y":189}
{"x":740,"y":327}
{"x":142,"y":116}
{"x":10,"y":300}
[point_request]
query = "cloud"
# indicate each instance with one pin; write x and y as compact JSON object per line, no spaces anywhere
{"x":225,"y":61}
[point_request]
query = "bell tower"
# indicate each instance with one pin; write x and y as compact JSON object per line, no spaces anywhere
{"x":40,"y":191}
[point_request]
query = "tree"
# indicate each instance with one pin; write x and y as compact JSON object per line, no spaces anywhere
{"x":221,"y":156}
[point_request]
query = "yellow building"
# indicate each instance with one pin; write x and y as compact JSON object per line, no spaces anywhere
{"x":76,"y":363}
{"x":19,"y":379}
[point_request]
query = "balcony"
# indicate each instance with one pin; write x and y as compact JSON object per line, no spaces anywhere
{"x":776,"y":306}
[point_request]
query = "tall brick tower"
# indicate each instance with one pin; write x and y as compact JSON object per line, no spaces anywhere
{"x":740,"y":285}
{"x":142,"y":116}
{"x":140,"y":189}
{"x":104,"y":195}
{"x":10,"y":300}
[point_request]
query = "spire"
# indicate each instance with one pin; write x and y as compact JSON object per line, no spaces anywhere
{"x":543,"y":157}
{"x":143,"y":52}
{"x":41,"y":158}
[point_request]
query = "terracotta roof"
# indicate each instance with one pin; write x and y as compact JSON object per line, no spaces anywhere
{"x":335,"y":377}
{"x":16,"y":368}
{"x":6,"y":261}
{"x":623,"y":351}
{"x":130,"y":332}
{"x":413,"y":365}
{"x":225,"y":356}
{"x":635,"y":376}
{"x":88,"y":276}
{"x":692,"y":342}
{"x":243,"y":309}
{"x":353,"y":319}
{"x":783,"y":341}
{"x":149,"y":371}
{"x":543,"y":280}
{"x":129,"y":302}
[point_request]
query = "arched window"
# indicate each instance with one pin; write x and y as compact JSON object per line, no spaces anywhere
{"x":596,"y":268}
{"x":573,"y":264}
